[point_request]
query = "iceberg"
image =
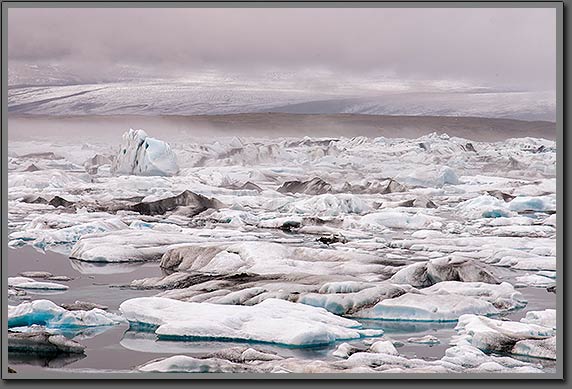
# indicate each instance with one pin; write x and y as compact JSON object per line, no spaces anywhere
{"x":344,"y":350}
{"x":536,"y":348}
{"x":527,"y":203}
{"x":271,"y":258}
{"x":427,"y":307}
{"x":546,"y":318}
{"x":328,"y":205}
{"x":144,"y":156}
{"x":535,"y":280}
{"x":188,"y":364}
{"x":136,"y":245}
{"x":401,"y":220}
{"x":47,"y":313}
{"x":453,"y":268}
{"x":63,"y":238}
{"x":503,"y":296}
{"x":28,"y":283}
{"x":271,"y":321}
{"x":427,"y":339}
{"x":315,"y":186}
{"x":351,"y":303}
{"x":506,"y":336}
{"x":485,"y":206}
{"x":42,"y":342}
{"x":384,"y":347}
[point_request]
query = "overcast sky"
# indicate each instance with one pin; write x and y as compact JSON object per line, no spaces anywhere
{"x":500,"y":48}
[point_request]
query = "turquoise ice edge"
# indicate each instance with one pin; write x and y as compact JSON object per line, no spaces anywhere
{"x":145,"y":327}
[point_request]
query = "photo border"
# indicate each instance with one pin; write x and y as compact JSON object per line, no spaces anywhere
{"x":558,"y":375}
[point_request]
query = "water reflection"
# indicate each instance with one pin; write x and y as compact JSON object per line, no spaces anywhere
{"x":104,"y":267}
{"x":396,"y":327}
{"x":147,"y":342}
{"x":52,"y":360}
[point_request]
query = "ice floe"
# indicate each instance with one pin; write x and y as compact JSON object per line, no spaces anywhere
{"x":520,"y":338}
{"x":29,"y":283}
{"x":47,"y":313}
{"x":271,"y":321}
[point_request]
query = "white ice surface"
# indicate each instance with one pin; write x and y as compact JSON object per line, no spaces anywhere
{"x":29,"y":283}
{"x":271,"y":321}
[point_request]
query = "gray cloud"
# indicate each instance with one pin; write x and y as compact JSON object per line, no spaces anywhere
{"x":494,"y":47}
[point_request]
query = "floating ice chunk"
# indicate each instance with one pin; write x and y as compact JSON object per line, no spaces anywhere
{"x":186,"y":203}
{"x":426,"y":234}
{"x":547,"y":273}
{"x":133,"y":245}
{"x":231,"y":217}
{"x":425,"y":307}
{"x":427,"y":339}
{"x":65,"y":238}
{"x":351,"y":303}
{"x":429,"y":177}
{"x":526,"y":203}
{"x":526,"y":261}
{"x":384,"y":347}
{"x":403,"y":220}
{"x":384,"y":362}
{"x":315,"y":186}
{"x":251,"y":354}
{"x":546,"y":318}
{"x":469,"y":357}
{"x":550,"y":220}
{"x":165,"y":227}
{"x":36,"y":274}
{"x":485,"y":206}
{"x":503,"y":296}
{"x":285,"y":223}
{"x":535,"y":280}
{"x":28,"y":283}
{"x":272,"y":321}
{"x":447,"y":176}
{"x":45,"y":312}
{"x":144,"y":156}
{"x":345,"y":286}
{"x":187,"y":364}
{"x":93,"y":164}
{"x":46,"y":179}
{"x":42,"y":342}
{"x":344,"y":350}
{"x":270,"y":258}
{"x":83,"y":306}
{"x":328,"y":205}
{"x":424,"y":274}
{"x":536,"y":348}
{"x":502,"y":336}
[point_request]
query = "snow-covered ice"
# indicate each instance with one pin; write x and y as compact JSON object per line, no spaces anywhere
{"x":271,"y":321}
